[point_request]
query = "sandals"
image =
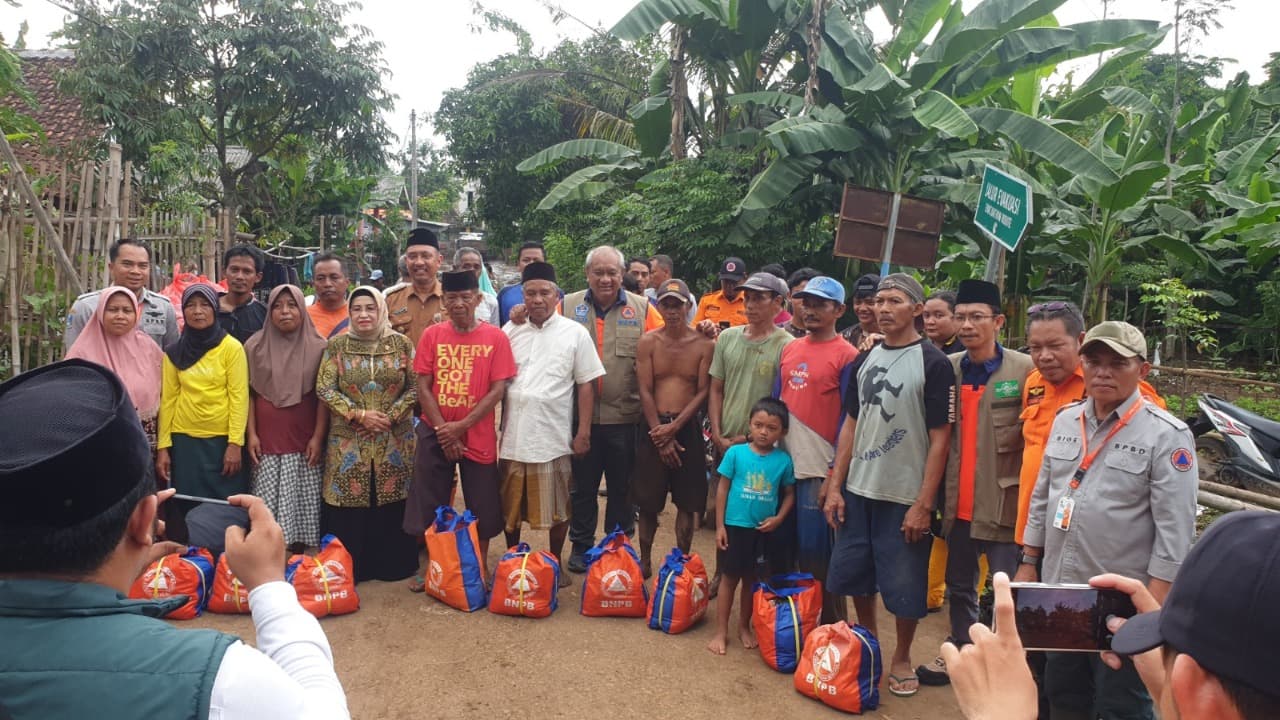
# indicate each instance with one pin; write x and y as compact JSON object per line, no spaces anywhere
{"x":897,"y":681}
{"x":417,"y":584}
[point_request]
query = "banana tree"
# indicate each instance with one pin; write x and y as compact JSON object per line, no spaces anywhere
{"x":895,"y":114}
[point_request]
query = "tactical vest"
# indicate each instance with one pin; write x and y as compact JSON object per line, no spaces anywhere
{"x":618,"y":392}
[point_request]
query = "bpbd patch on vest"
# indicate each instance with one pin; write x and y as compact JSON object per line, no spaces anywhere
{"x":1007,"y":389}
{"x":628,"y":313}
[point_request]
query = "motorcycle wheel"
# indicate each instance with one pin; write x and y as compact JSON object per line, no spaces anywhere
{"x":1211,"y":452}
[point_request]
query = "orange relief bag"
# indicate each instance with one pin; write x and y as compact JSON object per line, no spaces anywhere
{"x":784,"y":611}
{"x":228,"y":596}
{"x":325,"y":583}
{"x":680,"y":593}
{"x":525,"y":583}
{"x":188,"y":574}
{"x":455,"y":567}
{"x":840,"y":665}
{"x":614,"y":586}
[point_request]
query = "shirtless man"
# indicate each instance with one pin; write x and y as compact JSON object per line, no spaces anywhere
{"x":672,"y":367}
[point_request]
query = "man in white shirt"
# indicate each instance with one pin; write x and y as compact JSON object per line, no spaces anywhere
{"x":554,"y":356}
{"x":76,"y":529}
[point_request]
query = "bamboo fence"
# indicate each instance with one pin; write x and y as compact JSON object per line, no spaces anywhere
{"x":91,"y":204}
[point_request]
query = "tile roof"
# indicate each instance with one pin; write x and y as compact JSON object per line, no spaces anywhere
{"x":68,"y":131}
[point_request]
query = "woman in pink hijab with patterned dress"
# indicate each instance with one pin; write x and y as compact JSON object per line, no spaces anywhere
{"x":114,"y":340}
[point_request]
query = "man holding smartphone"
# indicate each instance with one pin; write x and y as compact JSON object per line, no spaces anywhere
{"x":1207,"y":654}
{"x":76,"y":529}
{"x":1116,"y":493}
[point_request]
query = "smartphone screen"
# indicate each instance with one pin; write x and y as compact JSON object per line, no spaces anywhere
{"x":200,"y":521}
{"x":1067,"y":618}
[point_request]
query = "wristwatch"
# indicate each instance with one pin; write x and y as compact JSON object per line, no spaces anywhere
{"x":1032,"y":560}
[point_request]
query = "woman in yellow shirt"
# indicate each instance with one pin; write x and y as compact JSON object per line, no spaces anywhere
{"x":204,"y":404}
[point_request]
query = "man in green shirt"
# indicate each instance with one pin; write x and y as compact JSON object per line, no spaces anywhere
{"x":744,"y":366}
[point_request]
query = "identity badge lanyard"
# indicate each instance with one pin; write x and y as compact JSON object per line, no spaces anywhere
{"x":1062,"y":516}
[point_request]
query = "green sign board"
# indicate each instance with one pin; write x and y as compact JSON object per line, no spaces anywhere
{"x":1004,"y":208}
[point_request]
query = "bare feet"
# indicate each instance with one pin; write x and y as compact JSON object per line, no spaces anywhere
{"x":565,"y":580}
{"x":717,"y":645}
{"x":748,"y":638}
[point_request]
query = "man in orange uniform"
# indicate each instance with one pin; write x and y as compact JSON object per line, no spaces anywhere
{"x":726,"y":307}
{"x":1054,"y":333}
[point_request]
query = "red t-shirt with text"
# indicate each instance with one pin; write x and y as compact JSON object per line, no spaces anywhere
{"x":463,"y":366}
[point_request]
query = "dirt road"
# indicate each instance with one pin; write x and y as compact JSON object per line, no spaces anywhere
{"x":404,"y":655}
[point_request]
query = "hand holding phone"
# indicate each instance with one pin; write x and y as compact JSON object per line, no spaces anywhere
{"x":257,"y":555}
{"x":991,"y":677}
{"x":1067,"y":617}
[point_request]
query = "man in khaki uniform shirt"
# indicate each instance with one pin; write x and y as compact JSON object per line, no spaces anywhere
{"x":418,"y":305}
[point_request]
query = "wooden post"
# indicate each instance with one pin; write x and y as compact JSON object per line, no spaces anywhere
{"x":52,"y":236}
{"x":126,"y":199}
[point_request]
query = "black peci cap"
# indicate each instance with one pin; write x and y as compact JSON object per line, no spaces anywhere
{"x":1221,"y":608}
{"x":71,"y":445}
{"x":423,"y":236}
{"x":538,"y":271}
{"x":459,"y":280}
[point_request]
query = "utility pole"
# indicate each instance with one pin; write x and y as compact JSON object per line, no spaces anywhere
{"x":413,"y":169}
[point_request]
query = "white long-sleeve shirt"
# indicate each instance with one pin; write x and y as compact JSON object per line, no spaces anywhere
{"x":289,"y":675}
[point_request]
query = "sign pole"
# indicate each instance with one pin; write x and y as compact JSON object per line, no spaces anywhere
{"x":993,"y":263}
{"x":893,"y":230}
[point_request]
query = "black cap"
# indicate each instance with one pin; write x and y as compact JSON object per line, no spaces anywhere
{"x":538,"y":271}
{"x":423,"y":236}
{"x":1221,"y":608}
{"x":978,"y":291}
{"x":459,"y":280}
{"x":866,"y":286}
{"x":71,"y":445}
{"x":733,"y":269}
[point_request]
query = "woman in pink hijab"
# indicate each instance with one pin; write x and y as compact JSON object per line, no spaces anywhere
{"x":114,"y":340}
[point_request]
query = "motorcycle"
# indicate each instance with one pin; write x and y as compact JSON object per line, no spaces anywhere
{"x":1236,"y":447}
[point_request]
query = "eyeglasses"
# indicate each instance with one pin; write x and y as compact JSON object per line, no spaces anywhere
{"x":1055,"y":306}
{"x":974,"y":318}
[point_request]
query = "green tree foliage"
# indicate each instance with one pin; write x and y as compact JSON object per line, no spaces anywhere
{"x":517,"y":104}
{"x":217,"y":74}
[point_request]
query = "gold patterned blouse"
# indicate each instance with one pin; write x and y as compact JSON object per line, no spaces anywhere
{"x":360,"y":375}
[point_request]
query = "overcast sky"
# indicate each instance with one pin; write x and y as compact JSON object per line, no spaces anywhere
{"x":429,"y":46}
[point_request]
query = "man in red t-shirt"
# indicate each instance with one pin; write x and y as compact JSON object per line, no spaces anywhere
{"x":813,"y":378}
{"x":463,"y":368}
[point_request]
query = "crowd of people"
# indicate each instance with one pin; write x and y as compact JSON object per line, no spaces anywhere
{"x":913,"y":438}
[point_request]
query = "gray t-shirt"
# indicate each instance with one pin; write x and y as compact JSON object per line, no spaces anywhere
{"x":897,"y":396}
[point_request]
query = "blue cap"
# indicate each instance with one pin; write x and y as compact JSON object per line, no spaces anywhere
{"x":823,"y":287}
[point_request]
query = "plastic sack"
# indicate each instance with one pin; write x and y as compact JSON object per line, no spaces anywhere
{"x":229,"y":596}
{"x":189,"y":574}
{"x":680,"y":593}
{"x":181,"y":281}
{"x":455,"y":567}
{"x":614,"y":586}
{"x":784,"y":611}
{"x":325,"y":583}
{"x":525,"y":583}
{"x":841,"y":666}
